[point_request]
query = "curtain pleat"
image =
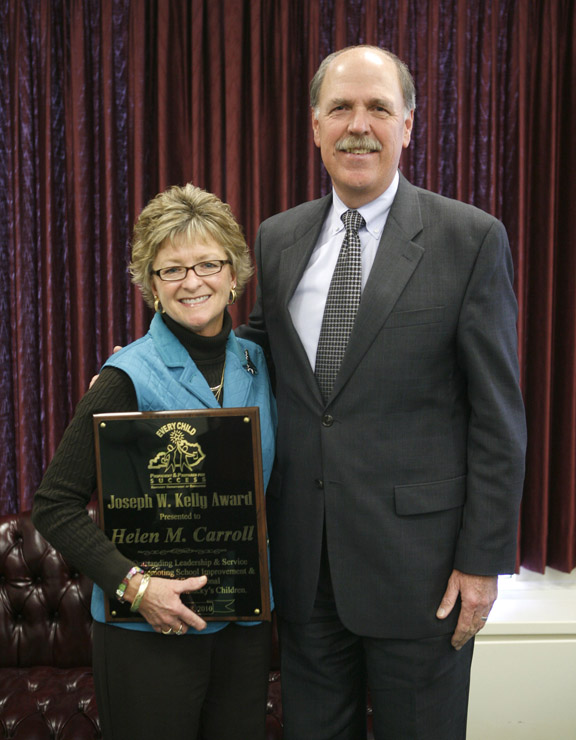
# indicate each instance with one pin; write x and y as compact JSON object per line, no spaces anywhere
{"x":103,"y":103}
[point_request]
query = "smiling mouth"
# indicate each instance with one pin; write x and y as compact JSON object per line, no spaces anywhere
{"x":194,"y":301}
{"x":358,"y":145}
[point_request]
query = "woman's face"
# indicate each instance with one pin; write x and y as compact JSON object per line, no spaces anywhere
{"x":197,"y":303}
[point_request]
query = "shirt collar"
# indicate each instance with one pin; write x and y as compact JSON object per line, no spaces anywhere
{"x":374,"y":213}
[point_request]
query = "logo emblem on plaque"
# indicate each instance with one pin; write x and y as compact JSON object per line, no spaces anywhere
{"x":176,"y":463}
{"x":180,"y":455}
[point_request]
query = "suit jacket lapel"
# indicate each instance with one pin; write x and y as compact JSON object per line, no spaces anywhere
{"x":295,"y":258}
{"x":293,"y":262}
{"x":396,"y":259}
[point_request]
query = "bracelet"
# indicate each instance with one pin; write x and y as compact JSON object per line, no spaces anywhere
{"x":121,"y":590}
{"x":141,"y":591}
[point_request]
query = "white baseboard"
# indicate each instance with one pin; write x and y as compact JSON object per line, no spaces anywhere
{"x":524,"y":668}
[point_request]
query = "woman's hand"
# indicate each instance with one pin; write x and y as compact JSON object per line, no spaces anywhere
{"x":162,"y":607}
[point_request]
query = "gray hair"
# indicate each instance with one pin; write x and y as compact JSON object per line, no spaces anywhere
{"x":404,"y":76}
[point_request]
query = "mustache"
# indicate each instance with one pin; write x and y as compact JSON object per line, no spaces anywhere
{"x":358,"y":142}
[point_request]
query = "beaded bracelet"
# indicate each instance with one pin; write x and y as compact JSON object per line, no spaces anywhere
{"x":121,"y":590}
{"x":141,"y":591}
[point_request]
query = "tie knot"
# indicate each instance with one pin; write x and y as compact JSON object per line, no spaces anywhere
{"x":352,"y":220}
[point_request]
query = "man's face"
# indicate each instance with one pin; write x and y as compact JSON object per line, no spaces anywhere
{"x":361,"y":127}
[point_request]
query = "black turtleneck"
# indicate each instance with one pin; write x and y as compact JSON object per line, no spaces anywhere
{"x":208,"y":353}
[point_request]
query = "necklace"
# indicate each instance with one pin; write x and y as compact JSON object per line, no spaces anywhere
{"x":217,"y":389}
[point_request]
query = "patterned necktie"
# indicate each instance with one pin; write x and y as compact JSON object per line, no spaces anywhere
{"x":341,"y":305}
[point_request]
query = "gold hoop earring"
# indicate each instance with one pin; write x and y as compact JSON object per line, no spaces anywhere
{"x":233,"y":296}
{"x":157,"y":305}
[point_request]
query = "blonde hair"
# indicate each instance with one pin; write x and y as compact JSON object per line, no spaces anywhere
{"x":190,"y":211}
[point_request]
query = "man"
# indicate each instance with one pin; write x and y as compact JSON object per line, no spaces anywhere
{"x":399,"y":472}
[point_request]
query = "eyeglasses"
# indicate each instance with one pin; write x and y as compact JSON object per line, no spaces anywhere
{"x":202,"y":269}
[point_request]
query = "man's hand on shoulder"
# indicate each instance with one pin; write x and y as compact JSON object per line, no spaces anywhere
{"x":117,"y":348}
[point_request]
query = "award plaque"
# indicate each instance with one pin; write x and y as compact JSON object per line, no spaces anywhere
{"x":182,"y":492}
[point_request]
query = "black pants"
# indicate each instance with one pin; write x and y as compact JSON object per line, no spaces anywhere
{"x":193,"y":687}
{"x":419,"y":688}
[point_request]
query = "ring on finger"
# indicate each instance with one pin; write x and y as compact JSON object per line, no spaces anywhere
{"x":179,"y":630}
{"x":484,"y":619}
{"x":167,"y":632}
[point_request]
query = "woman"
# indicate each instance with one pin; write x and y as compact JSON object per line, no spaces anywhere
{"x":190,"y":260}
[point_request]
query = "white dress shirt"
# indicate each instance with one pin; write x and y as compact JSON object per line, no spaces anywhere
{"x":307,"y":304}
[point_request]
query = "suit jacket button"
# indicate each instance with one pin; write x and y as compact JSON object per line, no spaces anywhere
{"x":319,"y":483}
{"x":327,"y":420}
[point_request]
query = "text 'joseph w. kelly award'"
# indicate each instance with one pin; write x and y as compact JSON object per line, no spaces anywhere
{"x":182,"y":492}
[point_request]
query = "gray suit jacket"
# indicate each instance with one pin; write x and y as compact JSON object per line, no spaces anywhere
{"x":415,"y":465}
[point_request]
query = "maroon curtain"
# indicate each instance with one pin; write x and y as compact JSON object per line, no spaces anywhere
{"x":105,"y":102}
{"x":546,"y":192}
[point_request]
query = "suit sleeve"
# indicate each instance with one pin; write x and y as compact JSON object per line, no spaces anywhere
{"x":256,"y":330}
{"x":487,"y":353}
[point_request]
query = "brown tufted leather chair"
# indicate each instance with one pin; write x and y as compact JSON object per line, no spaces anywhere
{"x":46,"y":684}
